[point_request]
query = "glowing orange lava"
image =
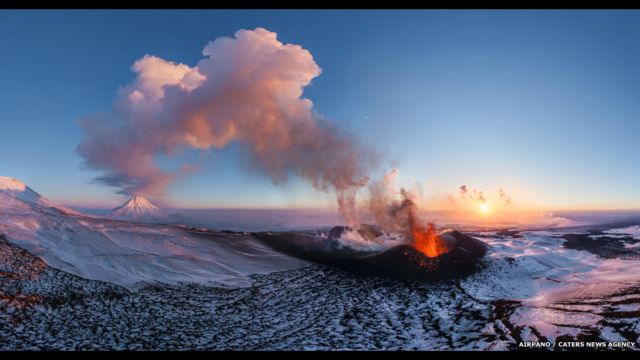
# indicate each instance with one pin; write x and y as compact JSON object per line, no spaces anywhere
{"x":426,"y":240}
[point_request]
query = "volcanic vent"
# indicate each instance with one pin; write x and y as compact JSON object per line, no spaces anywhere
{"x":398,"y":244}
{"x":406,"y":260}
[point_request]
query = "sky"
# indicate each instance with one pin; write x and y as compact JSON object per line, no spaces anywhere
{"x":542,"y":103}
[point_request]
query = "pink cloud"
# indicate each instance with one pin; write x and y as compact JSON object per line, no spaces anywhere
{"x":247,"y":89}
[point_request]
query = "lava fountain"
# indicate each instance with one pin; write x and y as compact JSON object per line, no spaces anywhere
{"x":423,"y":238}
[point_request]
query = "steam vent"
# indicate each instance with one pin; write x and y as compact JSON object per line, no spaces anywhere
{"x":401,"y":261}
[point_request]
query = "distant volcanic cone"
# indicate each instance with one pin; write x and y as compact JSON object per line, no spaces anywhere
{"x":138,"y":208}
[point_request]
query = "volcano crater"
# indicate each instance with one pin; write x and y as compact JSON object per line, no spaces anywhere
{"x":402,"y":261}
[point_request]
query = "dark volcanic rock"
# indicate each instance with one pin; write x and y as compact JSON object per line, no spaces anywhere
{"x":402,"y":261}
{"x":467,"y":249}
{"x":608,"y":247}
{"x":406,"y":261}
{"x":366,"y":231}
{"x":509,"y":233}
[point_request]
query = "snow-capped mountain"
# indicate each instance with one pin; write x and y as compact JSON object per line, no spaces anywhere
{"x":138,"y":208}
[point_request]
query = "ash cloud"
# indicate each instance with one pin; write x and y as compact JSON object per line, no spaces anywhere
{"x":396,"y":211}
{"x":247,"y":89}
{"x":504,"y":196}
{"x":473,"y":194}
{"x":390,"y":207}
{"x":382,"y":201}
{"x":479,"y":195}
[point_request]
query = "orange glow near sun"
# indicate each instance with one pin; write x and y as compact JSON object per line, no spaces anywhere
{"x":485,"y":208}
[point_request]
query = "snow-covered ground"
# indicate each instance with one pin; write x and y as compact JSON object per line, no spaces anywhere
{"x":633,"y":231}
{"x":561,"y":291}
{"x":126,"y":253}
{"x":107,"y":284}
{"x":314,"y":307}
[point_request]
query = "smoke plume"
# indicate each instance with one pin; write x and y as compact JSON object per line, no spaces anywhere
{"x":382,"y":194}
{"x":247,"y":89}
{"x":396,"y":211}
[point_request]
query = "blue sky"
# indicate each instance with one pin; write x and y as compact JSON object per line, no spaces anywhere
{"x":544,"y":103}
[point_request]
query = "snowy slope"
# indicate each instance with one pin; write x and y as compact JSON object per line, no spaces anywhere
{"x":538,"y":270}
{"x":633,"y":231}
{"x":14,"y":194}
{"x":125,"y":252}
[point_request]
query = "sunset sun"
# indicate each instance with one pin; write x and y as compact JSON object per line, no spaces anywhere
{"x":485,"y":208}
